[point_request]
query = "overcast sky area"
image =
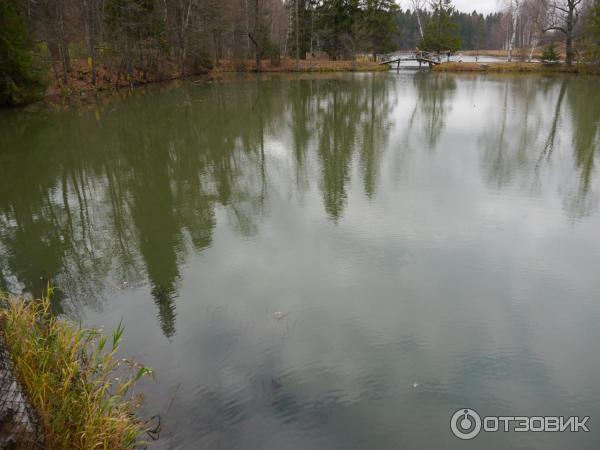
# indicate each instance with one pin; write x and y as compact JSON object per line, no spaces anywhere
{"x":482,"y":6}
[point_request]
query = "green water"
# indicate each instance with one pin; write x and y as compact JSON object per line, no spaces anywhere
{"x":335,"y":262}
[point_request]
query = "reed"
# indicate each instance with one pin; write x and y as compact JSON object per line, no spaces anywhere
{"x":83,"y":394}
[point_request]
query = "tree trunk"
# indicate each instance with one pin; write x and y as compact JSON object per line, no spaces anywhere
{"x":515,"y":16}
{"x":297,"y":37}
{"x":416,"y":6}
{"x":185,"y":20}
{"x":248,"y":40}
{"x":256,"y":37}
{"x":567,"y":27}
{"x":89,"y":36}
{"x":533,"y":46}
{"x":63,"y":44}
{"x":420,"y":26}
{"x":65,"y":60}
{"x":312,"y":27}
{"x":182,"y":56}
{"x":217,"y":44}
{"x":569,"y":42}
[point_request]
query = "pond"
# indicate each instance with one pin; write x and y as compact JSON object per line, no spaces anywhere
{"x":325,"y":262}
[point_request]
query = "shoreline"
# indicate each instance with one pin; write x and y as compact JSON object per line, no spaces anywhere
{"x":83,"y":89}
{"x":514,"y":67}
{"x":80,"y":86}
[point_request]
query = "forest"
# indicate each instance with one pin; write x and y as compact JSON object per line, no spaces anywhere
{"x":124,"y":42}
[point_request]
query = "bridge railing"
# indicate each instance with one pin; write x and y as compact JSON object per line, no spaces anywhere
{"x":428,"y":55}
{"x":410,"y":55}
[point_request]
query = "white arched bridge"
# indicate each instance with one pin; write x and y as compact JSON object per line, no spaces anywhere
{"x":432,"y":59}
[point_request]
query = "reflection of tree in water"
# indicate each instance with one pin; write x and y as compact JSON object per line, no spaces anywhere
{"x":338,"y":115}
{"x":550,"y":141}
{"x":585,"y":113}
{"x":302,"y":111}
{"x":130,"y":181}
{"x":154,"y":216}
{"x":512,"y":132}
{"x":533,"y":125}
{"x":350,"y":114}
{"x":124,"y":186}
{"x":375,"y":131}
{"x":435,"y":93}
{"x":46,"y":211}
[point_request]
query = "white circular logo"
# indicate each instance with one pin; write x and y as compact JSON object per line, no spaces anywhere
{"x":465,"y":424}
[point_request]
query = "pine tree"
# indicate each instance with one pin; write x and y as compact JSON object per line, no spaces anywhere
{"x":306,"y":18}
{"x":592,"y":34}
{"x":134,"y":28}
{"x":376,"y":27}
{"x":336,"y":22}
{"x":441,"y":32}
{"x":21,"y":81}
{"x":550,"y":55}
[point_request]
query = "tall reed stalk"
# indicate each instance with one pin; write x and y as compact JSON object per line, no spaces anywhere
{"x":72,"y":377}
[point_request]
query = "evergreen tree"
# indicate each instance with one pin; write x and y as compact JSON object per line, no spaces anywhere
{"x":441,"y":32}
{"x":477,"y":31}
{"x":470,"y":28}
{"x":592,"y":34}
{"x":376,"y":26}
{"x":336,"y":22}
{"x":306,"y":18}
{"x":134,"y":30}
{"x":550,"y":54}
{"x":407,"y":30}
{"x":20,"y":80}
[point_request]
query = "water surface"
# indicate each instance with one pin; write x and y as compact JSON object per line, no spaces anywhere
{"x":325,"y":262}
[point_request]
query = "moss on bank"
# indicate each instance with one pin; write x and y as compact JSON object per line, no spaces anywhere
{"x":71,"y":377}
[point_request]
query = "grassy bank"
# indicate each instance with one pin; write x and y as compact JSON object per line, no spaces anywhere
{"x":505,"y":67}
{"x":518,"y":53}
{"x":82,"y":393}
{"x":312,"y":65}
{"x":80,"y":78}
{"x":521,"y":54}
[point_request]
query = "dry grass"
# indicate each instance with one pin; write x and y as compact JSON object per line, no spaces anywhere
{"x":491,"y":53}
{"x":505,"y":68}
{"x":69,"y":375}
{"x":289,"y":65}
{"x":518,"y":53}
{"x":80,"y":78}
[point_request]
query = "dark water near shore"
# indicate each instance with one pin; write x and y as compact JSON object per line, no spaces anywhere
{"x":334,"y":262}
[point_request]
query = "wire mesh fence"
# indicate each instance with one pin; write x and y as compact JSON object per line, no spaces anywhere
{"x":19,"y":428}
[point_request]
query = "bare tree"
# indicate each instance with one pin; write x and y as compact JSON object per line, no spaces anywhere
{"x":184,"y":10}
{"x":255,"y":34}
{"x":514,"y":9}
{"x":90,"y":14}
{"x":562,"y":16}
{"x":418,"y":6}
{"x":297,"y":37}
{"x":53,"y":16}
{"x":533,"y":15}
